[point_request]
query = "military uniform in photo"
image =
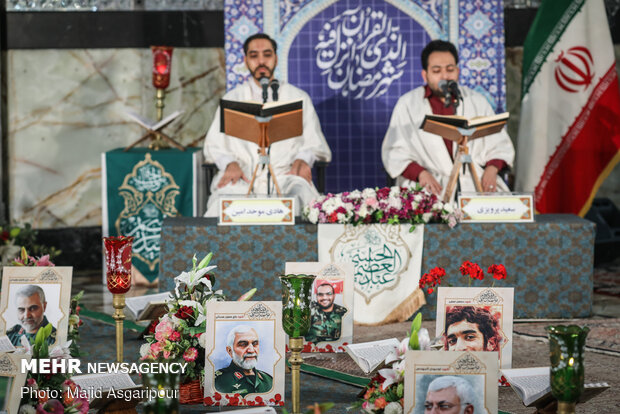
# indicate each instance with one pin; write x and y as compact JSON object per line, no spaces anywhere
{"x":17,"y":331}
{"x":233,"y":380}
{"x":325,"y":326}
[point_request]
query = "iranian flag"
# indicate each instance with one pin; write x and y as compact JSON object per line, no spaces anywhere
{"x":569,"y":133}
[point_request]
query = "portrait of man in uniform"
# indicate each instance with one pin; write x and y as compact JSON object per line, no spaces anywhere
{"x":471,"y":328}
{"x":241,"y":376}
{"x":30,"y":306}
{"x":326,"y":315}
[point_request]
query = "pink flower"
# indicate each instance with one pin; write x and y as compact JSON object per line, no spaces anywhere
{"x":50,"y":406}
{"x":44,"y":261}
{"x":156,"y":348}
{"x":191,"y":354}
{"x":166,"y":354}
{"x":371,"y":202}
{"x":174,"y":336}
{"x":164,"y":328}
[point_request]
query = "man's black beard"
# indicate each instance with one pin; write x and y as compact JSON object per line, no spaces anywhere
{"x":268,"y":75}
{"x":325,"y":308}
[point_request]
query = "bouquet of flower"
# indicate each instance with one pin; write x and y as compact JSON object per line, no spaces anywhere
{"x":49,"y":385}
{"x":433,"y":278}
{"x":385,"y":205}
{"x":384,"y":394}
{"x":25,"y":260}
{"x":180,"y":333}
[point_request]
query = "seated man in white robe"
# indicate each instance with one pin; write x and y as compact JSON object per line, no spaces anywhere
{"x":291,"y":159}
{"x":411,"y":155}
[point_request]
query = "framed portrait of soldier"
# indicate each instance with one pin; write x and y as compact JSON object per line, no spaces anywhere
{"x":331,"y":326}
{"x":244,"y":354}
{"x":32,"y":298}
{"x":443,"y":381}
{"x":12,"y":380}
{"x":476,"y":319}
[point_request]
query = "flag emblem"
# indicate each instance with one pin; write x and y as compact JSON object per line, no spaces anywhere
{"x":574,"y":69}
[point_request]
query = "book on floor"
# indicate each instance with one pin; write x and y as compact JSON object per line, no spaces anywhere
{"x":109,"y":388}
{"x":147,"y":307}
{"x":533,"y":386}
{"x":369,"y":355}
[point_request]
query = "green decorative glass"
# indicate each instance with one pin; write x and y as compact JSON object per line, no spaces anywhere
{"x":163,"y":396}
{"x":566,"y":346}
{"x":296,"y":298}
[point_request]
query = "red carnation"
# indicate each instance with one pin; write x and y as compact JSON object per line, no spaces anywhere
{"x":498,"y":271}
{"x":185,"y":312}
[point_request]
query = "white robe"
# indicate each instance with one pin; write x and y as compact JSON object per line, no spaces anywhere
{"x":405,"y":142}
{"x":310,"y":146}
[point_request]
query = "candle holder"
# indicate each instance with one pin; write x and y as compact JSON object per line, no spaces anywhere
{"x":296,"y":298}
{"x":118,"y":278}
{"x":162,"y":61}
{"x":566,"y":346}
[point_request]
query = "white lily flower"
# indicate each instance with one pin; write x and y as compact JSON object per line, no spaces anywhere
{"x":26,"y":347}
{"x":61,"y":351}
{"x":145,"y":349}
{"x":424,"y":340}
{"x":391,"y":377}
{"x":202,"y":314}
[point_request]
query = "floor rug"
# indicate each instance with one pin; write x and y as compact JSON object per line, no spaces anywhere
{"x":604,"y":335}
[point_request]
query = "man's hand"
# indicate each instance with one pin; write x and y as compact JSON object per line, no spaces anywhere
{"x":427,"y":181}
{"x":302,"y":169}
{"x":232,"y":174}
{"x":489,"y":179}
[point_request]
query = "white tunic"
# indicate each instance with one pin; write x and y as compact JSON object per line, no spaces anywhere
{"x":309,"y":147}
{"x":405,"y":142}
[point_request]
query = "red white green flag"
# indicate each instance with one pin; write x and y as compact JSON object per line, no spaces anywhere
{"x":569,"y":132}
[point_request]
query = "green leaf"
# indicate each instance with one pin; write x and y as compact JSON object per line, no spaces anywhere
{"x":417,"y":323}
{"x":14,"y":232}
{"x":205,"y":262}
{"x":194,"y":262}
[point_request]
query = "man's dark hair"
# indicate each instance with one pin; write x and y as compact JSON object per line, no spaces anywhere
{"x":438,"y":46}
{"x":487,"y":324}
{"x":326,"y":284}
{"x":246,"y":44}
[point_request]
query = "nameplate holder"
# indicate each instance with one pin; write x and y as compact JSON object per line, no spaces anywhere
{"x":256,"y":211}
{"x":496,"y":208}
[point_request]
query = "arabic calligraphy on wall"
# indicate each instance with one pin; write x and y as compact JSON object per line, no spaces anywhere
{"x":361,"y":52}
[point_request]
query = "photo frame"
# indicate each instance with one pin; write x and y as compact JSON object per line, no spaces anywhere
{"x":235,"y":373}
{"x":432,"y":376}
{"x":54,"y":282}
{"x":12,"y":379}
{"x":333,"y":329}
{"x":480,"y":319}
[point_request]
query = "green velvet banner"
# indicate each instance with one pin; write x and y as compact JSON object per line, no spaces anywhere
{"x":140,"y":188}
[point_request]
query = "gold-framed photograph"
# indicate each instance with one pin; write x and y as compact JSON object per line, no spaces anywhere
{"x":441,"y":381}
{"x":244,"y":353}
{"x":12,"y":379}
{"x":31,"y":298}
{"x":331,"y":326}
{"x":476,"y":319}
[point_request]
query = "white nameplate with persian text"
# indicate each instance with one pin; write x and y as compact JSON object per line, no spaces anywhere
{"x":257,"y":211}
{"x":497,"y":208}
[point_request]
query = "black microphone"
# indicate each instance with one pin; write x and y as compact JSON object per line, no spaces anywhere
{"x":264,"y":83}
{"x":275,"y":85}
{"x":455,"y":91}
{"x":447,"y":93}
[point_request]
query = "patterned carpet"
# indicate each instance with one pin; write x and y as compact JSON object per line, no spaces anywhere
{"x":607,"y":279}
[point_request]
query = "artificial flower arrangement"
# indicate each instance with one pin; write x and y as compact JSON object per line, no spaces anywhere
{"x":385,"y":392}
{"x":382,"y":205}
{"x":179,"y":334}
{"x":434,"y":278}
{"x":56,"y":383}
